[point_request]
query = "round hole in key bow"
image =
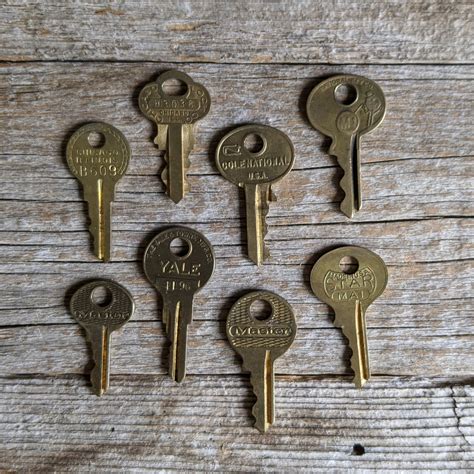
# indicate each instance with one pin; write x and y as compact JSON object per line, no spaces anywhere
{"x":174,"y":87}
{"x":261,"y":310}
{"x":180,"y":247}
{"x":101,"y":296}
{"x":348,"y":264}
{"x":96,"y":139}
{"x":345,"y":94}
{"x":254,"y":143}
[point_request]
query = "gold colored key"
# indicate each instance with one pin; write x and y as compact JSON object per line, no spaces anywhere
{"x":350,"y":294}
{"x":255,"y":171}
{"x":260,"y":340}
{"x":98,"y":166}
{"x":178,"y":262}
{"x":345,"y":117}
{"x":101,"y":307}
{"x":175,"y":116}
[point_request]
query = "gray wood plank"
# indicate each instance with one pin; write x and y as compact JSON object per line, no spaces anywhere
{"x":151,"y":423}
{"x":438,"y":31}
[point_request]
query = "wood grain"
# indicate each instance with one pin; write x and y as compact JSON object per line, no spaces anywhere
{"x":63,"y":64}
{"x":244,"y":31}
{"x":154,"y":424}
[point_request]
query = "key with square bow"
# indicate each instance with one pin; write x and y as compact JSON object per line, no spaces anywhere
{"x":100,"y":319}
{"x":260,"y":341}
{"x":345,"y":120}
{"x":175,"y":116}
{"x":349,"y":295}
{"x":98,"y":166}
{"x":255,"y":171}
{"x":178,"y":273}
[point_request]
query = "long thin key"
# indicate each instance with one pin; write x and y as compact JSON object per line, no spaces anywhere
{"x":345,"y":120}
{"x":98,"y":167}
{"x":255,"y":171}
{"x":178,"y":273}
{"x":260,"y":340}
{"x":175,"y":116}
{"x":350,"y":294}
{"x":100,"y":315}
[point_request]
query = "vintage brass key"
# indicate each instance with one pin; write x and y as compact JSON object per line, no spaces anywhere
{"x":178,"y":273}
{"x":175,"y":116}
{"x":345,"y":120}
{"x":98,"y":167}
{"x":350,"y":294}
{"x":255,"y":171}
{"x":260,"y":341}
{"x":100,"y":318}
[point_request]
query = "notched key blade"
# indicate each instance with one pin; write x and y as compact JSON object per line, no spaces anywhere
{"x":98,"y":167}
{"x":100,"y":318}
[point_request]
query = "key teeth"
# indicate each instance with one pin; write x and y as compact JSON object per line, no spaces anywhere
{"x":260,"y":423}
{"x":164,"y":177}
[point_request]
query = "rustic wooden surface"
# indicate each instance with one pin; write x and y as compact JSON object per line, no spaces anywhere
{"x":67,"y":63}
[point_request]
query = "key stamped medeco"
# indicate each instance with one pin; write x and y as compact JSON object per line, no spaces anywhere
{"x":100,"y":319}
{"x":260,"y":342}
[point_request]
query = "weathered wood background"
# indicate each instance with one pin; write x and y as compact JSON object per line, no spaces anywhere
{"x":66,"y":63}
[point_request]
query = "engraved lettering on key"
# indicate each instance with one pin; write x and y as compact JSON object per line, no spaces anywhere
{"x":98,"y":168}
{"x":178,"y":277}
{"x":256,"y":172}
{"x":100,"y":319}
{"x":350,"y":294}
{"x":175,"y":117}
{"x":260,"y":342}
{"x":345,"y":122}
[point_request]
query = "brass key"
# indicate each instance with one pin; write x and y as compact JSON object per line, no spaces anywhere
{"x":350,"y":294}
{"x":98,"y":167}
{"x":178,"y":273}
{"x":175,"y":116}
{"x":260,"y":341}
{"x":255,"y":171}
{"x":345,"y":120}
{"x":100,"y":318}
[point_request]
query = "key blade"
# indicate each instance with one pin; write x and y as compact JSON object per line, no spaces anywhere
{"x":352,"y":322}
{"x":100,"y":341}
{"x":256,"y":204}
{"x":262,"y":380}
{"x":99,"y":198}
{"x":180,"y":317}
{"x":346,"y":148}
{"x":179,"y":145}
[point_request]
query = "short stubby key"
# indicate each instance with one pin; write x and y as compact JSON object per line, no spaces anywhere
{"x":349,"y":295}
{"x":345,"y":120}
{"x":178,"y":273}
{"x":100,"y":315}
{"x":260,"y":341}
{"x":255,"y":171}
{"x":175,"y":116}
{"x":98,"y":167}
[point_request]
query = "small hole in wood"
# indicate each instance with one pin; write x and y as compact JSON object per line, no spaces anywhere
{"x":358,"y":450}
